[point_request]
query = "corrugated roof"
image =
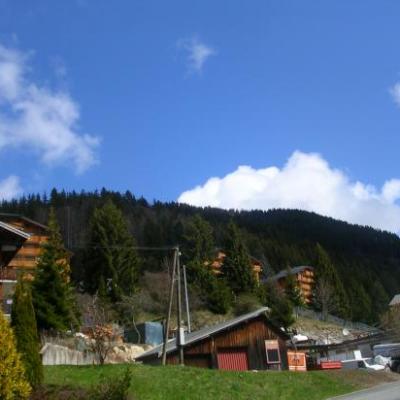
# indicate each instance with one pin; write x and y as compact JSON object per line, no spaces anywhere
{"x":291,"y":271}
{"x":14,"y":230}
{"x":204,"y":333}
{"x":395,"y":301}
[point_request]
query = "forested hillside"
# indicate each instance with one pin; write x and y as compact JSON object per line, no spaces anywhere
{"x":367,"y":260}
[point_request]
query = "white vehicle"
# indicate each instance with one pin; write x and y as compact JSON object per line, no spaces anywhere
{"x":364,"y":363}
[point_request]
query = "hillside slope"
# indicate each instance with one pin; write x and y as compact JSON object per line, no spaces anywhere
{"x":367,"y":260}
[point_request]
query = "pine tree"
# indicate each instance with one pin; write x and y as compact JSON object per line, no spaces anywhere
{"x":111,"y":259}
{"x":13,"y":384}
{"x":23,"y":322}
{"x":237,"y":265}
{"x":281,"y":313}
{"x":51,"y":291}
{"x":292,"y":290}
{"x":328,"y":280}
{"x":198,"y":240}
{"x":198,"y":250}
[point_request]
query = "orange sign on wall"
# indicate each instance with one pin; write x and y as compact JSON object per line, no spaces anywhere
{"x":296,"y":361}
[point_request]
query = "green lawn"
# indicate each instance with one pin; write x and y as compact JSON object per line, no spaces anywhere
{"x":182,"y":383}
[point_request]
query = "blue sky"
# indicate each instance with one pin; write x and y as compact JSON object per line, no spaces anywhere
{"x":158,"y":97}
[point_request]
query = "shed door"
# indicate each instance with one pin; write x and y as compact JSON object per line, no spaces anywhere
{"x":233,"y":359}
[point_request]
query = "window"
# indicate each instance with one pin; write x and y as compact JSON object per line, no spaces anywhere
{"x":272,"y":350}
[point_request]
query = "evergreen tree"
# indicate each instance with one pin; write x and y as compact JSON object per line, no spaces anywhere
{"x":198,"y":251}
{"x":23,"y":322}
{"x":51,"y":291}
{"x":198,"y":240}
{"x":360,"y":301}
{"x":292,"y":290}
{"x":13,"y":384}
{"x":326,"y":276}
{"x":281,"y":313}
{"x":111,"y":259}
{"x":237,"y":265}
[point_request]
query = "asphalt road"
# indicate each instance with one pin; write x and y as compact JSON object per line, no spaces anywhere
{"x":388,"y":391}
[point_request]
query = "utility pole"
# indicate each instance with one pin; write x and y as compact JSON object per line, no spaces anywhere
{"x":170,"y":301}
{"x":186,"y":299}
{"x":180,"y":337}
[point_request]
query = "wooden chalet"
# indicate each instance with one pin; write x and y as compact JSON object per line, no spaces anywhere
{"x":248,"y":342}
{"x":304,"y":277}
{"x":20,"y":246}
{"x":216,"y":265}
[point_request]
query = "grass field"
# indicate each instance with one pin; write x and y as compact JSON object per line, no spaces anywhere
{"x":177,"y":383}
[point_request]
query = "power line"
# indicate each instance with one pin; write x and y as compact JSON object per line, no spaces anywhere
{"x":144,"y":248}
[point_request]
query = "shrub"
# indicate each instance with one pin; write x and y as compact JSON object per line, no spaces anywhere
{"x":113,"y":388}
{"x":13,"y":385}
{"x":24,"y":325}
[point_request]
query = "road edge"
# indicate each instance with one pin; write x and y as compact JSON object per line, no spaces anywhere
{"x":343,"y":396}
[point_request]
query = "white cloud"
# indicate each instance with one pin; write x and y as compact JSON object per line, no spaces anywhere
{"x":197,"y":53}
{"x":395,"y":92}
{"x":305,"y":182}
{"x":39,"y":119}
{"x":10,"y":188}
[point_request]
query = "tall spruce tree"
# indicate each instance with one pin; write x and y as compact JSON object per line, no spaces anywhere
{"x":293,"y":292}
{"x":198,"y":250}
{"x":51,"y":291}
{"x":281,"y":312}
{"x":23,"y":322}
{"x":327,"y":276}
{"x":111,"y":258}
{"x":237,"y":264}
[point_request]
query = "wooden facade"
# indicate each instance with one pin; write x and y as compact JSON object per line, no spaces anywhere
{"x":216,"y":265}
{"x":236,"y":346}
{"x":20,"y":247}
{"x":304,"y":277}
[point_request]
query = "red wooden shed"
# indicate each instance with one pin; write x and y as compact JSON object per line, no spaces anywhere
{"x":247,"y":342}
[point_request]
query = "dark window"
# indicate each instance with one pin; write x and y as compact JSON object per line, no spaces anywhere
{"x":273,"y":356}
{"x":272,"y":351}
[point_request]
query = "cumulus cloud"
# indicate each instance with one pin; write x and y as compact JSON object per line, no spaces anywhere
{"x":305,"y":182}
{"x":36,"y":118}
{"x":197,"y":53}
{"x":10,"y":188}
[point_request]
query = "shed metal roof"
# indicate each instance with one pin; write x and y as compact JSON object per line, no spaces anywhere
{"x":205,"y":332}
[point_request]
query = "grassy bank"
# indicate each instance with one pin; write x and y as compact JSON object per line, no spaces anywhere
{"x":177,"y":383}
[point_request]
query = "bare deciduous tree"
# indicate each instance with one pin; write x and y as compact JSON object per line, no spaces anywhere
{"x":101,"y":332}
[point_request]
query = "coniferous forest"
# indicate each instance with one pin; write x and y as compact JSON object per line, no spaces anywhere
{"x":366,"y":261}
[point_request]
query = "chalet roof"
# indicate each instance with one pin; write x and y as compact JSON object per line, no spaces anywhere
{"x":395,"y":301}
{"x":14,"y":230}
{"x":22,"y":217}
{"x":206,"y":332}
{"x":286,"y":272}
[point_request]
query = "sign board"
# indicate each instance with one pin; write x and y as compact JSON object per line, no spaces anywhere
{"x":296,"y":361}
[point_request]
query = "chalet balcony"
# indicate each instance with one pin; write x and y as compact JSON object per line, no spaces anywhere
{"x":8,"y":274}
